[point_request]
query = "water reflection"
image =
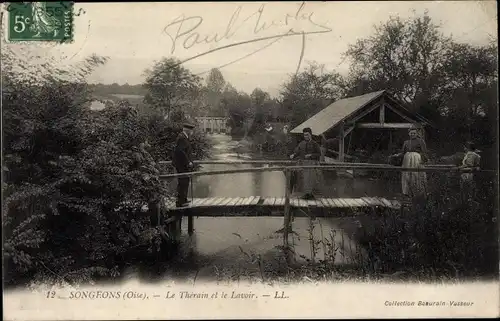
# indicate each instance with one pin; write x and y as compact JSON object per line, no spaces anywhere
{"x":230,"y":241}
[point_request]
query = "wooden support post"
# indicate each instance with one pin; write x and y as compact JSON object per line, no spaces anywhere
{"x":422,"y":132}
{"x":158,"y":213}
{"x":341,"y":144}
{"x":190,"y":225}
{"x":382,"y":114}
{"x":286,"y":225}
{"x":390,"y":141}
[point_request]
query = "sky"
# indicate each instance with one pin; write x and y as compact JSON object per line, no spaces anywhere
{"x":134,"y":35}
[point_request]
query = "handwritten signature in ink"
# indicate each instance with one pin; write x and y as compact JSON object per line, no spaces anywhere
{"x":187,"y":34}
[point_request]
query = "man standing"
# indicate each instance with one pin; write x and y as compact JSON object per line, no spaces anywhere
{"x":182,"y":161}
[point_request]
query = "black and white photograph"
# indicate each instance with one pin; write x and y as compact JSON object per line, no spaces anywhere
{"x":194,"y":160}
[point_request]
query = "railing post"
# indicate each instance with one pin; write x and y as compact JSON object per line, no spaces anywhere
{"x":286,"y":225}
{"x":190,"y":217}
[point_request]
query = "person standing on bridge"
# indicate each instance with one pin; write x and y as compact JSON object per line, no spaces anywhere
{"x":308,"y":152}
{"x":415,"y":153}
{"x":182,"y":161}
{"x":471,"y":161}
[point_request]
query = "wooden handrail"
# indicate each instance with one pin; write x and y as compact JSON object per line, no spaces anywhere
{"x":282,"y":162}
{"x":327,"y":167}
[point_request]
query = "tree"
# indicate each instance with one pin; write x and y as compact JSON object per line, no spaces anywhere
{"x":75,"y":180}
{"x":449,"y":83}
{"x":469,"y":91}
{"x":171,"y":87}
{"x":213,"y":93}
{"x":239,"y":110}
{"x":310,"y":91}
{"x":215,"y":81}
{"x":403,"y":56}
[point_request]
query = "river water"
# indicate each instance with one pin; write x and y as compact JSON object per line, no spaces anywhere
{"x":229,"y":245}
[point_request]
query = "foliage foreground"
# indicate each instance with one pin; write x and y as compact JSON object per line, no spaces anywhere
{"x":76,"y":181}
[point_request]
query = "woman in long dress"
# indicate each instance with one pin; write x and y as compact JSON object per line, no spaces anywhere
{"x":308,"y":152}
{"x":414,"y":150}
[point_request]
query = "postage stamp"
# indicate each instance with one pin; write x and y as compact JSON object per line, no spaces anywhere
{"x":40,"y":21}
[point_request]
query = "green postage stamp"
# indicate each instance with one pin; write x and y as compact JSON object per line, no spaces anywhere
{"x":40,"y":21}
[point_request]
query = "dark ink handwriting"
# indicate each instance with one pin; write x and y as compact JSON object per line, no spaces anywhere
{"x":186,"y":28}
{"x":186,"y":31}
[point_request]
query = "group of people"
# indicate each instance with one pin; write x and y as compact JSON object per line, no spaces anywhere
{"x":414,"y":155}
{"x":308,"y":152}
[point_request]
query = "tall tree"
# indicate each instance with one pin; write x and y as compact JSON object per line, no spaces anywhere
{"x":449,"y":83}
{"x":213,"y":93}
{"x":171,"y":87}
{"x":469,"y":91}
{"x":215,"y":81}
{"x":310,"y":91}
{"x":404,"y":56}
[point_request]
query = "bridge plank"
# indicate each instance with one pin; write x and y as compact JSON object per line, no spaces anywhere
{"x":302,"y":203}
{"x":249,"y":200}
{"x":358,"y":202}
{"x":233,"y":201}
{"x":206,"y":201}
{"x":336,"y":202}
{"x":312,"y":203}
{"x":280,"y":201}
{"x":332,"y":203}
{"x":226,"y":201}
{"x":368,"y":201}
{"x":324,"y":202}
{"x":197,"y":201}
{"x":216,"y":201}
{"x":350,"y":202}
{"x":344,"y":202}
{"x":377,"y":202}
{"x":245,"y":201}
{"x":255,"y":200}
{"x":385,"y":202}
{"x":269,"y":201}
{"x":364,"y":202}
{"x":239,"y":201}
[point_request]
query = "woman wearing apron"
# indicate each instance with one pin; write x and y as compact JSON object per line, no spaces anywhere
{"x":308,"y":152}
{"x":414,"y":150}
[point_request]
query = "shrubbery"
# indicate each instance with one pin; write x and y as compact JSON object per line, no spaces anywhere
{"x":75,"y":180}
{"x":444,"y":235}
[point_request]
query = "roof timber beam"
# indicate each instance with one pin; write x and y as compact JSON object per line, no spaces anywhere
{"x":348,"y":130}
{"x":364,"y":113}
{"x":388,"y":125}
{"x":398,"y":112}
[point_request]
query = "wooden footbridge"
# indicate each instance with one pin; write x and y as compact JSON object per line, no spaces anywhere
{"x":237,"y":203}
{"x":283,"y":206}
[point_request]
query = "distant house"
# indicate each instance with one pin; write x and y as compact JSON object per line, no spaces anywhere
{"x":374,"y":121}
{"x":97,"y":105}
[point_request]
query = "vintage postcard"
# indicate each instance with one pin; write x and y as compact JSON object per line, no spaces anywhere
{"x":194,"y":160}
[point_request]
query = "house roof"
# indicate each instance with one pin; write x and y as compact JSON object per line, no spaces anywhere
{"x":342,"y":109}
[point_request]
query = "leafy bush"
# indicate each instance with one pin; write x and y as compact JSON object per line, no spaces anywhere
{"x":76,"y":181}
{"x":444,"y":235}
